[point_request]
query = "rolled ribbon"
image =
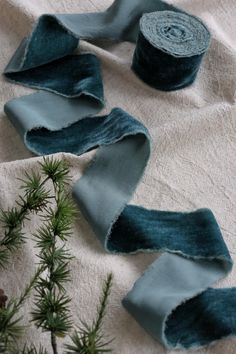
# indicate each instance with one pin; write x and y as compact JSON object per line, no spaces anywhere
{"x":168,"y":53}
{"x":169,"y":49}
{"x":172,"y":300}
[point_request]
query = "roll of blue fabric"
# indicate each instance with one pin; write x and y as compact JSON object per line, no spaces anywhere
{"x":170,"y":43}
{"x":169,"y":49}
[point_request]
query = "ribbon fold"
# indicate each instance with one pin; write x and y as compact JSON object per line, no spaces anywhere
{"x":172,"y":300}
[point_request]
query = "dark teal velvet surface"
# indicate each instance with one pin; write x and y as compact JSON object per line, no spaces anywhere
{"x":72,"y":76}
{"x":206,"y":318}
{"x":171,"y":73}
{"x":195,"y":234}
{"x":169,"y":49}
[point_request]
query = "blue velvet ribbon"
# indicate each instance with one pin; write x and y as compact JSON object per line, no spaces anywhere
{"x":169,"y":49}
{"x":172,"y":300}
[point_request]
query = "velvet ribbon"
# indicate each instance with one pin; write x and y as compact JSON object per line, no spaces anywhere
{"x":172,"y":300}
{"x":169,"y":49}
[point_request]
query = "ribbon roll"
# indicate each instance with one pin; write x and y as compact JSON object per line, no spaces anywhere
{"x":169,"y":49}
{"x":172,"y":300}
{"x":168,"y":53}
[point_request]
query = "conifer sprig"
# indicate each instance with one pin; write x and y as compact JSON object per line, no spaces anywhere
{"x":35,"y":199}
{"x":55,"y":169}
{"x":10,"y":327}
{"x":89,"y":338}
{"x":51,"y":311}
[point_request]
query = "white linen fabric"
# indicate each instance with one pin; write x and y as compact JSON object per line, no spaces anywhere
{"x":192,"y":164}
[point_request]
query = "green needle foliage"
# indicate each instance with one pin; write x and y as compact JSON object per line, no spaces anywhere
{"x":10,"y":327}
{"x":56,"y":170}
{"x":51,"y":311}
{"x":35,"y":199}
{"x":89,"y":338}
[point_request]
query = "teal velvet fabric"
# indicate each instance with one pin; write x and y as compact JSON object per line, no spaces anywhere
{"x":172,"y":300}
{"x":169,"y":49}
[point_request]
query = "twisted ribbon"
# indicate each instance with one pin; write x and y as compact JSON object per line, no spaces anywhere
{"x":172,"y":300}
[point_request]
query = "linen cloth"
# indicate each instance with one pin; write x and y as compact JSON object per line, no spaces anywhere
{"x":192,"y":163}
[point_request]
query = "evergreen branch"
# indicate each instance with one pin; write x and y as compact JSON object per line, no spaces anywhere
{"x":103,"y":302}
{"x":29,"y":287}
{"x":55,"y":169}
{"x":89,"y":339}
{"x":35,"y":199}
{"x":13,"y":238}
{"x":10,"y":327}
{"x":51,"y":307}
{"x":51,"y":312}
{"x":54,"y":343}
